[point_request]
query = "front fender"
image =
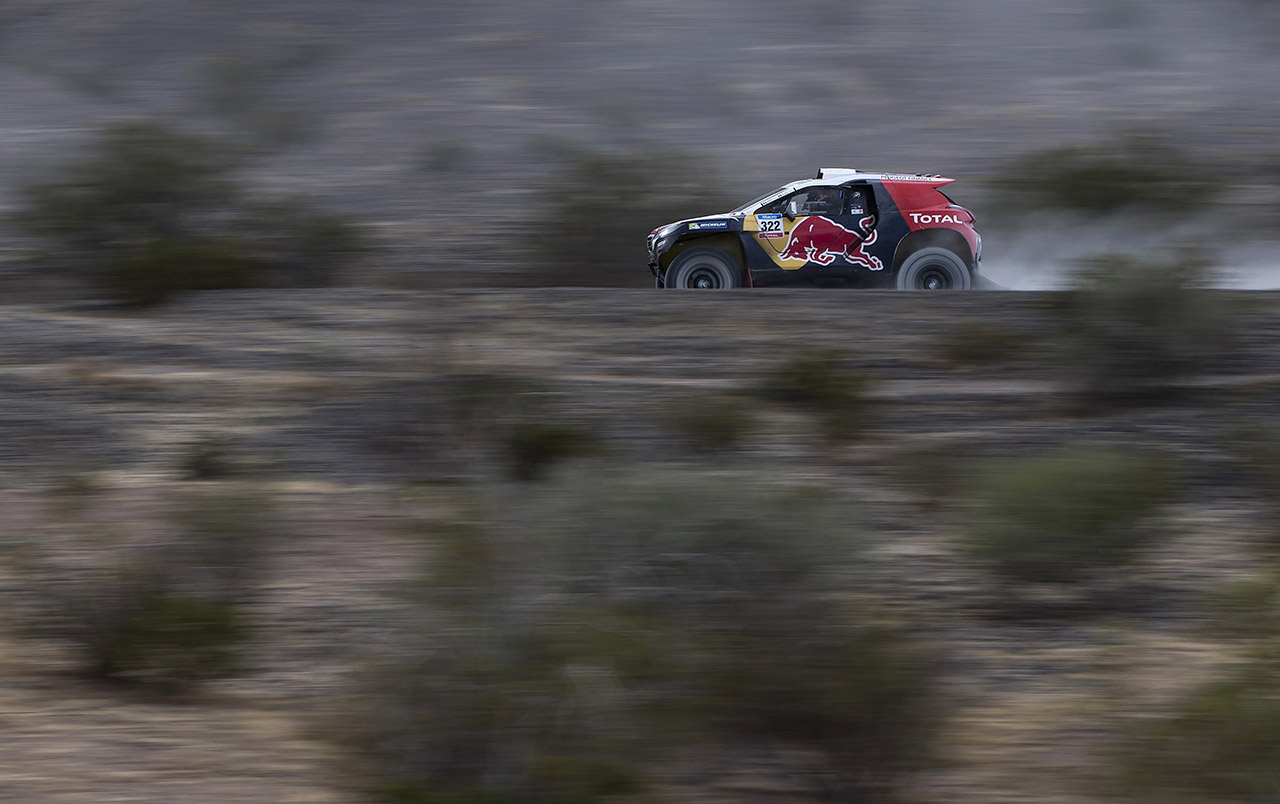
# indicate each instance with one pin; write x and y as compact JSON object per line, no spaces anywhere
{"x":729,"y":243}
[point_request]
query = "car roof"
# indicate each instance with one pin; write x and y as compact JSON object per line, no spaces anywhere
{"x":845,"y":176}
{"x":842,"y":175}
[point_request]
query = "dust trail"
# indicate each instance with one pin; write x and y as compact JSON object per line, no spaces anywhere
{"x":1252,"y":266}
{"x":1045,"y":256}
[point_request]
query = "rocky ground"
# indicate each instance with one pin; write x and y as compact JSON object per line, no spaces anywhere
{"x":327,"y":393}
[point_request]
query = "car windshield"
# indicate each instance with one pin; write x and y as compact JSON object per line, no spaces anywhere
{"x":753,"y":202}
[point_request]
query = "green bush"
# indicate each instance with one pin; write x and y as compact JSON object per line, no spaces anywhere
{"x":479,"y":425}
{"x":160,"y":268}
{"x":1137,"y":173}
{"x":598,"y":206}
{"x":251,"y":92}
{"x":1066,"y":516}
{"x":168,"y":615}
{"x":1132,"y":331}
{"x":163,"y":637}
{"x":1220,"y":744}
{"x":1221,"y":741}
{"x":710,"y":423}
{"x":613,"y":621}
{"x":1257,"y":448}
{"x":934,"y":473}
{"x":535,"y":446}
{"x":982,"y":343}
{"x":296,"y":244}
{"x":821,"y":384}
{"x":152,"y":212}
{"x":208,"y":459}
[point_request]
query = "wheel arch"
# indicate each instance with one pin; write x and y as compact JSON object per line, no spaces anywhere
{"x":728,"y":242}
{"x":949,"y":239}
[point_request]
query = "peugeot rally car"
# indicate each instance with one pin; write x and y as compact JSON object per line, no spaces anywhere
{"x":842,"y":228}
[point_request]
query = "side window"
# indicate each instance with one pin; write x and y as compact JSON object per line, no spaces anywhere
{"x":858,"y":204}
{"x":810,"y":201}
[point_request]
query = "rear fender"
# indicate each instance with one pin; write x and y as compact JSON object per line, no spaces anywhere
{"x":949,"y":239}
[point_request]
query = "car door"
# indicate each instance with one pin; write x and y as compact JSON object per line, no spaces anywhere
{"x":814,"y":235}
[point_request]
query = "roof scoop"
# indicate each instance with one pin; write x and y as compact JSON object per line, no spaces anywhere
{"x":836,"y":173}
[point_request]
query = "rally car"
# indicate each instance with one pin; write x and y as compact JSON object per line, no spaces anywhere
{"x":842,"y":228}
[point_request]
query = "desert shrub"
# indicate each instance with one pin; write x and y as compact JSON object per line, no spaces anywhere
{"x":152,"y":212}
{"x":1066,"y":516}
{"x":1129,"y":172}
{"x":208,"y":459}
{"x":598,"y":206}
{"x":1245,"y":610}
{"x":584,"y":635}
{"x":710,"y":422}
{"x":222,"y":458}
{"x":1257,"y":448}
{"x":251,"y":92}
{"x":1132,"y":330}
{"x":822,"y":384}
{"x":495,"y":424}
{"x":1222,"y":743}
{"x":169,"y":614}
{"x":300,"y":245}
{"x":981,"y":343}
{"x":536,"y":446}
{"x":457,"y":423}
{"x":935,"y":473}
{"x":161,"y":636}
{"x":158,"y":269}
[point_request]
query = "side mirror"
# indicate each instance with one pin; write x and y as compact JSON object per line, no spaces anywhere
{"x":788,"y":215}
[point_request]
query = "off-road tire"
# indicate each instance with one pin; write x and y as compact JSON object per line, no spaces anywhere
{"x":934,"y":268}
{"x":703,"y":269}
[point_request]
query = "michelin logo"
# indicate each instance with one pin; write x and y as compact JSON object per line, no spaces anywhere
{"x":698,"y":226}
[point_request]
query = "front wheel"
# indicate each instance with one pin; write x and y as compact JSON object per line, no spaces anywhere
{"x":703,"y":269}
{"x":934,"y":269}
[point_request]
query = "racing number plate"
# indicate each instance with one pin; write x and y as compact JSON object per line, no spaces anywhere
{"x":770,"y":226}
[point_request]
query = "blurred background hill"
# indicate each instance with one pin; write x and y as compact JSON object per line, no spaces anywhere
{"x":450,"y":127}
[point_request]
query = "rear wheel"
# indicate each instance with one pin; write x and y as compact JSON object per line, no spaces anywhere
{"x":703,"y":269}
{"x":934,"y":268}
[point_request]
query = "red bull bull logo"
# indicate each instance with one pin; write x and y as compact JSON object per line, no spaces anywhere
{"x":821,"y":240}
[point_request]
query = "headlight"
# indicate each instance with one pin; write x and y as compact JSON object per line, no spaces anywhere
{"x":660,"y":238}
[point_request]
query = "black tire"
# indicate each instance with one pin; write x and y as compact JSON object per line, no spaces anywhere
{"x":934,"y":268}
{"x":703,"y":269}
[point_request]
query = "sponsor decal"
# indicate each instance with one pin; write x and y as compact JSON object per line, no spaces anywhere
{"x":821,"y":240}
{"x":908,"y":177}
{"x":919,"y":217}
{"x":770,"y":226}
{"x":698,"y":226}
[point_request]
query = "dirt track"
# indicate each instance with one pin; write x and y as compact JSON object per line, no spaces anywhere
{"x":314,"y":383}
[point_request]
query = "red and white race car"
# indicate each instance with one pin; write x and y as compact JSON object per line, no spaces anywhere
{"x":844,"y":228}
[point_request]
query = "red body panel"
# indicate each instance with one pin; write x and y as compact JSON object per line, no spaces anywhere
{"x":924,"y":207}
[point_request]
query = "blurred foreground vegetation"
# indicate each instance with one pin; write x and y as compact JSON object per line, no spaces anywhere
{"x":801,"y":574}
{"x":570,"y":645}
